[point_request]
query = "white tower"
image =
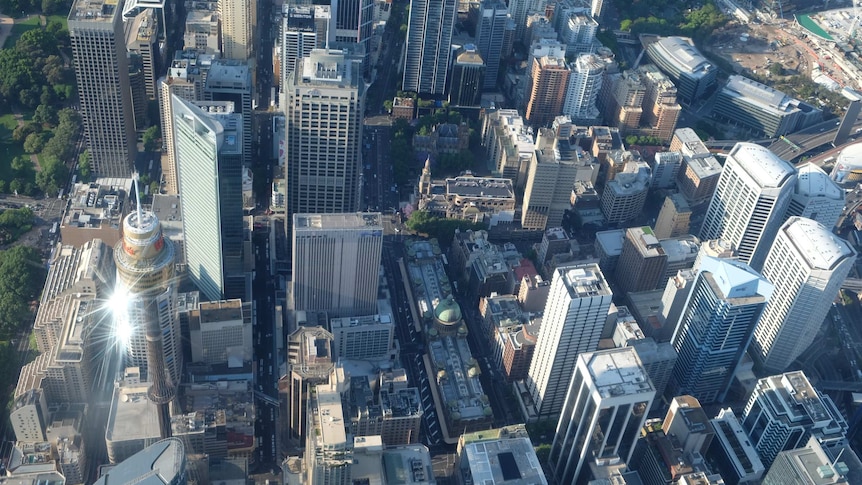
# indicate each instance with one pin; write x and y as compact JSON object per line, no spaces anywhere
{"x":807,"y":264}
{"x":750,"y":200}
{"x":577,"y":307}
{"x":608,"y":398}
{"x":585,"y":82}
{"x":816,"y":196}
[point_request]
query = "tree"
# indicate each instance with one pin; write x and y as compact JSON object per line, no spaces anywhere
{"x":52,"y":175}
{"x":439,"y":228}
{"x":387,"y":105}
{"x":84,"y":164}
{"x":20,"y":273}
{"x":775,"y":69}
{"x":46,"y":115}
{"x":23,"y":167}
{"x":151,"y":138}
{"x":34,"y":143}
{"x":154,"y":187}
{"x":21,"y":132}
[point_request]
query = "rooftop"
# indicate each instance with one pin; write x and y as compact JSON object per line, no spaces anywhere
{"x":812,"y":181}
{"x":760,"y":95}
{"x":681,"y":51}
{"x":704,"y":167}
{"x":408,"y":465}
{"x":762,"y":165}
{"x":229,"y":74}
{"x":820,"y":248}
{"x":158,"y":464}
{"x":512,"y":461}
{"x":356,"y":220}
{"x":220,"y":311}
{"x":133,"y":416}
{"x":735,"y":279}
{"x":458,"y":379}
{"x":611,"y":241}
{"x":95,"y":205}
{"x":729,"y":432}
{"x":480,"y":187}
{"x":617,"y":372}
{"x":93,"y":10}
{"x":584,"y":281}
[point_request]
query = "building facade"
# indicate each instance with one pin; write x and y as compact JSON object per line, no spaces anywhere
{"x":428,"y":45}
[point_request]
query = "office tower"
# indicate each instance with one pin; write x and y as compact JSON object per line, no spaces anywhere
{"x":576,"y":311}
{"x":731,"y":451}
{"x":548,"y":91}
{"x":714,"y":329}
{"x":165,"y":459}
{"x":674,"y":218}
{"x":688,"y":423}
{"x":299,"y":36}
{"x":142,"y":42}
{"x":582,"y":91}
{"x":549,"y":184}
{"x":677,"y":57}
{"x":209,"y":161}
{"x":483,"y":455}
{"x":323,"y":158}
{"x":104,"y":90}
{"x":220,"y":332}
{"x":145,"y":279}
{"x":762,"y":110}
{"x":807,"y":264}
{"x":810,"y":464}
{"x":309,"y":362}
{"x":642,"y":261}
{"x":229,"y":80}
{"x":329,"y":449}
{"x":354,"y":23}
{"x":238,"y":19}
{"x":660,"y":108}
{"x":658,"y":358}
{"x":429,"y":40}
{"x":509,"y":144}
{"x":624,"y":197}
{"x":336,"y":259}
{"x":785,"y":410}
{"x":816,"y":196}
{"x":202,"y":31}
{"x":606,"y":406}
{"x":492,"y":17}
{"x":748,"y":206}
{"x":468,"y":76}
{"x":364,"y":337}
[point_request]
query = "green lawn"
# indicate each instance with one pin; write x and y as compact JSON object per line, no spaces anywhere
{"x":19,"y":28}
{"x":58,"y":18}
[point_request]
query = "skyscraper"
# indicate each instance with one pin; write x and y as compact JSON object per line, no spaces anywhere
{"x":715,"y":327}
{"x":816,"y":196}
{"x":468,"y":74}
{"x":229,"y":80}
{"x":353,"y":23}
{"x":550,"y":178}
{"x":429,"y":40}
{"x":575,"y":313}
{"x":582,"y":91}
{"x":323,"y":157}
{"x":750,"y":200}
{"x":238,"y":19}
{"x":642,"y":261}
{"x":102,"y":73}
{"x":209,"y":159}
{"x":299,"y":37}
{"x":490,"y":28}
{"x":807,"y":264}
{"x":145,"y":272}
{"x":336,"y":260}
{"x":606,"y":406}
{"x":784,"y":410}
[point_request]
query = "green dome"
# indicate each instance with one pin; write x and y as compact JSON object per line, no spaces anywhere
{"x":448,"y":312}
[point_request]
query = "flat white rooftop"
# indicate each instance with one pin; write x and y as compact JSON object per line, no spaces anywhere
{"x":817,"y":245}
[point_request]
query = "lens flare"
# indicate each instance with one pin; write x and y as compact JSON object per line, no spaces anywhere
{"x":118,"y":304}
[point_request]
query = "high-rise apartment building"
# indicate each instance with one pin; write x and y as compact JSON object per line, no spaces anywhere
{"x":624,"y":197}
{"x":509,"y":143}
{"x":104,"y":90}
{"x":674,"y":218}
{"x":238,"y":19}
{"x":549,"y":184}
{"x":582,"y":91}
{"x":785,"y":410}
{"x":468,"y":76}
{"x":660,"y":108}
{"x":429,"y":40}
{"x":642,"y":262}
{"x":726,"y":299}
{"x":324,"y":109}
{"x":548,"y":91}
{"x":492,"y":16}
{"x":336,"y":260}
{"x":816,"y":196}
{"x":609,"y":395}
{"x":623,"y":105}
{"x":145,"y":277}
{"x":231,"y":80}
{"x":807,"y":264}
{"x":750,"y":200}
{"x":209,"y":159}
{"x":575,"y":313}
